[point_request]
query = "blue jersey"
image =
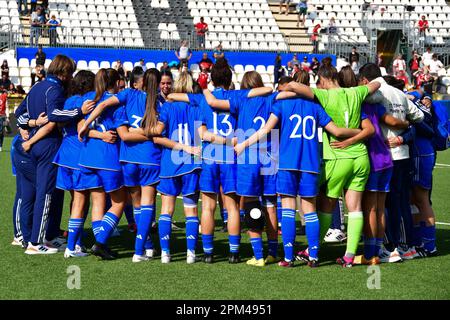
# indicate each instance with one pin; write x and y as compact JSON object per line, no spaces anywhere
{"x":13,"y":150}
{"x":181,"y":125}
{"x":69,"y":150}
{"x":423,"y":142}
{"x":131,"y":114}
{"x":219,"y":122}
{"x":299,"y":139}
{"x":95,"y":153}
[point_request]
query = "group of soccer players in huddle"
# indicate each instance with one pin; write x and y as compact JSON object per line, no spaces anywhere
{"x":346,"y":137}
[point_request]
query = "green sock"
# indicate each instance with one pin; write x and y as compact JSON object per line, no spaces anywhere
{"x":354,"y":230}
{"x":325,"y":222}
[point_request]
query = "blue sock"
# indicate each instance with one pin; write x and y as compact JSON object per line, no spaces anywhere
{"x":378,"y":244}
{"x":137,"y":214}
{"x":257,"y":247}
{"x":288,"y":233}
{"x":312,"y":228}
{"x":143,"y":229}
{"x":96,"y":228}
{"x":81,"y":235}
{"x":149,"y":243}
{"x":109,"y":223}
{"x":279,"y":211}
{"x":192,"y":233}
{"x":235,"y":242}
{"x":417,"y":236}
{"x":224,"y":215}
{"x":242,"y":214}
{"x":429,"y":237}
{"x":208,"y":243}
{"x":370,"y":245}
{"x":75,"y":228}
{"x":129,"y":214}
{"x":165,"y":229}
{"x":336,"y":222}
{"x":273,"y":247}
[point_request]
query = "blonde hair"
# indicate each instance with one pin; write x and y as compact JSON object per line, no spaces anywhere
{"x":184,"y":83}
{"x":251,"y":79}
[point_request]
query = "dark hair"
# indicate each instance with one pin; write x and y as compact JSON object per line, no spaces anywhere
{"x":347,"y":78}
{"x":20,"y":89}
{"x":62,"y":66}
{"x":394,"y":82}
{"x":82,"y":83}
{"x":284,"y":80}
{"x":166,"y":73}
{"x":370,"y":71}
{"x":302,"y":77}
{"x":152,"y":78}
{"x":136,"y":74}
{"x":105,"y":79}
{"x":327,"y":61}
{"x":328,"y":72}
{"x":221,"y":74}
{"x":196,"y":88}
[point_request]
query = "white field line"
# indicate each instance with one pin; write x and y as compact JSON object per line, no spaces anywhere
{"x":443,"y":165}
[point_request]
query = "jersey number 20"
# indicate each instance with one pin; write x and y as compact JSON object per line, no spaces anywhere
{"x":303,"y":123}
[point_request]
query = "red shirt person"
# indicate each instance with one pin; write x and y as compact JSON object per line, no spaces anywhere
{"x":423,"y":25}
{"x":201,"y":28}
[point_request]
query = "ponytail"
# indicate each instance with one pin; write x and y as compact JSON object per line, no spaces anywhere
{"x":152,"y":78}
{"x":105,"y":79}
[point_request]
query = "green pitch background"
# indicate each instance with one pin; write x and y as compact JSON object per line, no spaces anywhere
{"x":45,"y":277}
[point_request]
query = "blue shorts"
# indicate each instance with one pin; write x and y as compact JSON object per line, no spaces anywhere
{"x":99,"y":178}
{"x":140,"y":174}
{"x":68,"y":179}
{"x":423,"y":171}
{"x":215,"y":175}
{"x":252,"y":182}
{"x":297,"y":183}
{"x":186,"y":184}
{"x":379,"y":181}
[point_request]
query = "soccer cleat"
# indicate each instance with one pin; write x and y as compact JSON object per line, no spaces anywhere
{"x":74,"y":254}
{"x":286,"y":264}
{"x":408,"y":254}
{"x":40,"y":249}
{"x":302,"y":256}
{"x":313,"y":263}
{"x":387,"y":256}
{"x":208,"y":258}
{"x":58,"y":243}
{"x":432,"y":253}
{"x":234,"y":258}
{"x":191,"y":257}
{"x":132,"y":227}
{"x":17,"y":241}
{"x":102,"y":252}
{"x":80,"y":248}
{"x":271,"y":259}
{"x":115,"y":233}
{"x":344,"y":263}
{"x":335,"y":235}
{"x":150,"y":253}
{"x":256,"y":263}
{"x":138,"y":258}
{"x":362,"y":260}
{"x":175,"y":227}
{"x":165,"y":257}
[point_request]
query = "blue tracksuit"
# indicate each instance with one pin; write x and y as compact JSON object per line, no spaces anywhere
{"x":47,"y":96}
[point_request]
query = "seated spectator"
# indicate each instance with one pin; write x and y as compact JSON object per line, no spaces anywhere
{"x":332,"y":29}
{"x":399,"y":64}
{"x":39,"y":73}
{"x":12,"y":89}
{"x":204,"y":77}
{"x":294,"y":60}
{"x":427,"y":56}
{"x":218,"y":52}
{"x":295,"y":70}
{"x":5,"y":68}
{"x":289,"y":68}
{"x":306,"y":65}
{"x":206,"y":62}
{"x":5,"y":82}
{"x":435,"y":66}
{"x":315,"y":65}
{"x":164,"y":67}
{"x":142,"y":65}
{"x":20,"y":90}
{"x":184,"y":54}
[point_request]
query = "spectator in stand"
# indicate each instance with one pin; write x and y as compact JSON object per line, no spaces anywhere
{"x":332,"y":29}
{"x":399,"y":65}
{"x":414,"y":64}
{"x":165,"y":67}
{"x":427,"y":57}
{"x":354,"y":53}
{"x":315,"y":37}
{"x":306,"y":65}
{"x":3,"y":118}
{"x":20,"y":90}
{"x":142,"y":65}
{"x":12,"y":88}
{"x":295,"y":60}
{"x":40,"y":56}
{"x":53,"y":24}
{"x":354,"y":65}
{"x":5,"y":82}
{"x":315,"y":65}
{"x":19,"y":5}
{"x":218,"y":52}
{"x":119,"y":68}
{"x":35,"y":23}
{"x":206,"y":62}
{"x":401,"y":75}
{"x":423,"y":26}
{"x":201,"y":28}
{"x":286,"y":5}
{"x":289,"y":68}
{"x":295,"y":70}
{"x":184,"y":54}
{"x":5,"y":68}
{"x":39,"y":73}
{"x":278,"y":71}
{"x":33,"y":5}
{"x":302,"y":10}
{"x":204,"y":77}
{"x":435,"y":66}
{"x":44,"y":4}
